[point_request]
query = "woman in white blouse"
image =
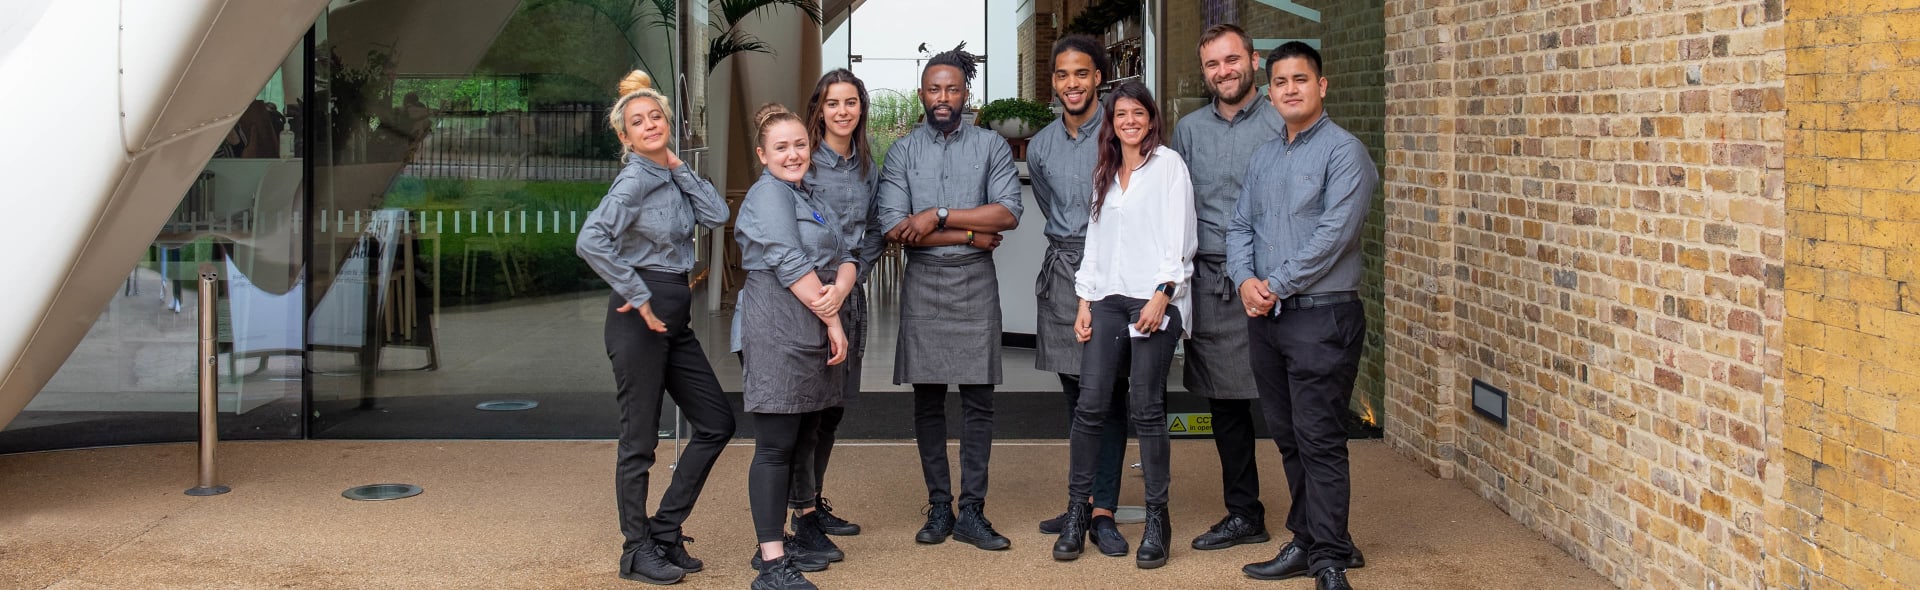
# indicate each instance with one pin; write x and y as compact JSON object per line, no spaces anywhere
{"x":1132,"y":284}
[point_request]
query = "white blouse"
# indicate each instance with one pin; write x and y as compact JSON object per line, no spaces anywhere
{"x":1144,"y":236}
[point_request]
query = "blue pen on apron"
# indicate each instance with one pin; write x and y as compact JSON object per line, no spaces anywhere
{"x":817,"y":218}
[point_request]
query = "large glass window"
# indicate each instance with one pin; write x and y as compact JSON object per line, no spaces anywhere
{"x":133,"y":378}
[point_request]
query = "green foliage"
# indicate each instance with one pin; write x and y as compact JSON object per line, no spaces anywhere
{"x":1036,"y":114}
{"x":489,"y":95}
{"x":729,"y":39}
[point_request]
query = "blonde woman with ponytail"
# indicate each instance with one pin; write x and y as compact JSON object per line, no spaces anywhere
{"x":800,"y":269}
{"x":640,"y":240}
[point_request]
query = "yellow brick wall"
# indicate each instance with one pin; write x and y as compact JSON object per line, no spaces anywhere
{"x":1849,"y":421}
{"x":1585,"y":206}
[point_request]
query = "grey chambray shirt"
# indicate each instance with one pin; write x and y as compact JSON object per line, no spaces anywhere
{"x":927,"y":170}
{"x":1062,"y":170}
{"x":837,"y":181}
{"x":646,"y":222}
{"x":788,"y":231}
{"x":1216,"y":151}
{"x":1299,"y":217}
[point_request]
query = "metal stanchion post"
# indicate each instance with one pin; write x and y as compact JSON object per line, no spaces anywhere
{"x":209,"y":382}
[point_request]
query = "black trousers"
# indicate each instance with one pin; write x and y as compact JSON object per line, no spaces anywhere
{"x":976,"y":440}
{"x":1233,"y":439}
{"x":810,"y":459}
{"x":1304,"y":363}
{"x":1113,"y":439}
{"x":645,"y":364}
{"x":769,"y":478}
{"x":1110,"y":354}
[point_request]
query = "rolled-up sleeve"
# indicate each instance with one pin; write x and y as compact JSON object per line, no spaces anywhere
{"x":1240,"y":233}
{"x":1347,"y":196}
{"x":598,"y":243}
{"x":709,"y":208}
{"x":772,"y":234}
{"x":1003,"y":180}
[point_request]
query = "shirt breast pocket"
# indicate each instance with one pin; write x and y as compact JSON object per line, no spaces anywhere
{"x":661,"y":222}
{"x":1307,"y":195}
{"x":815,"y":236}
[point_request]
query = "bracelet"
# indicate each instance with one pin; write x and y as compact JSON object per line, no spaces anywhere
{"x":969,"y":237}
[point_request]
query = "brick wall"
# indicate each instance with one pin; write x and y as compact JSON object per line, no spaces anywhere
{"x":1585,"y":208}
{"x":1849,"y":515}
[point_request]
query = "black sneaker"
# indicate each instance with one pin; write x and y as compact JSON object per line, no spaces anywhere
{"x":643,"y":563}
{"x":939,"y":524}
{"x":1051,"y":526}
{"x":833,"y":525}
{"x":676,"y":554}
{"x":801,"y":559}
{"x":782,"y":574}
{"x":811,"y":539}
{"x":974,"y":529}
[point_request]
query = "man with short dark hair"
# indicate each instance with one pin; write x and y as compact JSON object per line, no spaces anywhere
{"x":1293,"y":247}
{"x":1060,"y":160}
{"x":1216,"y":142}
{"x":947,"y":191}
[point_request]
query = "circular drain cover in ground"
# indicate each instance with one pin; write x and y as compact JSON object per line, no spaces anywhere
{"x":1130,"y":515}
{"x":507,"y":405}
{"x":382,"y":491}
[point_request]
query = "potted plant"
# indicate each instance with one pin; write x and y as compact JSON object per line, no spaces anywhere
{"x":1016,"y":118}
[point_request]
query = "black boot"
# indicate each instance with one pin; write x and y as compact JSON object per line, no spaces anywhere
{"x":831,"y":523}
{"x":800,"y":558}
{"x":781,"y":574}
{"x":1073,"y":531}
{"x":975,"y":530}
{"x":643,"y":563}
{"x":1155,"y":539}
{"x":676,"y":554}
{"x":808,"y":534}
{"x":939,"y":523}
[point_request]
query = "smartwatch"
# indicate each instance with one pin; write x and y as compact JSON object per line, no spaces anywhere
{"x":941,"y":213}
{"x":1165,"y":288}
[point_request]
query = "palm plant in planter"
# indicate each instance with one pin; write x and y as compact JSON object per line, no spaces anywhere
{"x":1016,"y":118}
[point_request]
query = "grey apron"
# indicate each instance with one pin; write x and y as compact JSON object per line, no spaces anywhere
{"x":1216,"y":355}
{"x":785,"y":360}
{"x":1056,"y":348}
{"x":949,"y":321}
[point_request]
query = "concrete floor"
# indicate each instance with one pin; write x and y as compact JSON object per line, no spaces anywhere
{"x":529,"y":514}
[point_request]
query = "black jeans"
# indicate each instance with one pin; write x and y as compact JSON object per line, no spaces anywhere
{"x":776,"y":437}
{"x":1239,"y":475}
{"x":646,"y":363}
{"x":976,"y":440}
{"x":1304,"y":363}
{"x":1113,"y":440}
{"x":810,"y":459}
{"x":1111,"y":353}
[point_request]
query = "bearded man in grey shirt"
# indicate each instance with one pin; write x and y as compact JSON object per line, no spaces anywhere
{"x":1293,"y":247}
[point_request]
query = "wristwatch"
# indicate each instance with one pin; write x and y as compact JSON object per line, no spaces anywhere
{"x":1165,"y":288}
{"x":941,"y":214}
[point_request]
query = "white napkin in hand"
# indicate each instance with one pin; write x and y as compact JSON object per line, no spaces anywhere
{"x":1136,"y":333}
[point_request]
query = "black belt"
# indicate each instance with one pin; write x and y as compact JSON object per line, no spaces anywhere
{"x":1313,"y":300}
{"x":660,"y":276}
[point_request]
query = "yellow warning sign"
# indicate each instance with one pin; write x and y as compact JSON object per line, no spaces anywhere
{"x":1190,"y":423}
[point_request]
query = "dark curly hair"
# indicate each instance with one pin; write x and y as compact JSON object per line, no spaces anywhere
{"x":957,"y":58}
{"x":1087,"y":45}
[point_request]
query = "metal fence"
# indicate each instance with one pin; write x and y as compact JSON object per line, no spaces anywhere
{"x":568,"y":143}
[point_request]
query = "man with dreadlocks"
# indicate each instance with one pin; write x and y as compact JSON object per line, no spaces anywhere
{"x":947,"y":192}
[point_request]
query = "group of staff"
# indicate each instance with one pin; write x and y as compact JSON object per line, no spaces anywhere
{"x":1237,"y":234}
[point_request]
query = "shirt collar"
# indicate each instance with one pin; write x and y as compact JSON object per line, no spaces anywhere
{"x":647,"y":165}
{"x":1307,"y":133}
{"x":1259,"y":102}
{"x":1089,"y":128}
{"x":795,"y":187}
{"x":825,"y":156}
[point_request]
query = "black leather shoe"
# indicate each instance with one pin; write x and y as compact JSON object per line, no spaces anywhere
{"x":1358,"y":561}
{"x":1106,"y":536}
{"x":799,"y":557}
{"x":676,"y":554}
{"x":643,"y":563}
{"x":1073,"y":531}
{"x":1333,"y":578}
{"x":974,"y":529}
{"x":1290,"y":563}
{"x":1155,"y":541}
{"x":1232,"y":530}
{"x":782,"y":574}
{"x":939,"y":524}
{"x":808,"y":535}
{"x":832,"y":524}
{"x":1051,"y":526}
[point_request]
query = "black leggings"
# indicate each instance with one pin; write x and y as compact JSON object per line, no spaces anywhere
{"x":810,"y":459}
{"x":776,"y":438}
